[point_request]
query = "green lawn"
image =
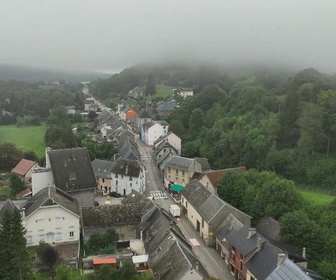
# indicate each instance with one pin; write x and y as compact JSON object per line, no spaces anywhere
{"x":26,"y":138}
{"x":317,"y":198}
{"x":163,"y":91}
{"x":5,"y":191}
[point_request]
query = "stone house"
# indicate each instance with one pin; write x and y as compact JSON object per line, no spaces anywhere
{"x":206,"y":211}
{"x":103,"y":172}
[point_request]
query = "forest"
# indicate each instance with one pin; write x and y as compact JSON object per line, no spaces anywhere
{"x":280,"y":125}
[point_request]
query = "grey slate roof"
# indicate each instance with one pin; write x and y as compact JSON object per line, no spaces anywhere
{"x":269,"y":228}
{"x":72,"y":169}
{"x":112,"y":215}
{"x":288,"y":270}
{"x":211,"y":207}
{"x":127,"y":167}
{"x":181,"y":163}
{"x":204,"y":163}
{"x":144,"y":114}
{"x":195,"y":193}
{"x":102,"y":168}
{"x":230,"y":224}
{"x":8,"y":206}
{"x":50,"y":196}
{"x":242,"y":243}
{"x":263,"y":262}
{"x":165,"y":106}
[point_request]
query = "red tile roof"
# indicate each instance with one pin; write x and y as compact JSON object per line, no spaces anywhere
{"x":104,"y":261}
{"x":23,"y":167}
{"x":215,"y":175}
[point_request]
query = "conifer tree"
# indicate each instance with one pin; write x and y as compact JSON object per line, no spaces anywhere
{"x":14,"y":257}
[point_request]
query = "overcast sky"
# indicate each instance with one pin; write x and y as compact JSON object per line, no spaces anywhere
{"x":108,"y":35}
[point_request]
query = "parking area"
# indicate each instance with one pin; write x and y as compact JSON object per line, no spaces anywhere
{"x":107,"y":200}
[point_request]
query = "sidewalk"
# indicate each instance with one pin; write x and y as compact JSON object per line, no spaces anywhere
{"x":210,"y":259}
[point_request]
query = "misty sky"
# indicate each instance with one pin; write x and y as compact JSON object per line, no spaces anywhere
{"x":108,"y":35}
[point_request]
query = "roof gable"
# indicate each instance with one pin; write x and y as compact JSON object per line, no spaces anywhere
{"x":8,"y":206}
{"x":230,"y":224}
{"x":23,"y":167}
{"x":180,"y":162}
{"x":127,"y":167}
{"x":288,"y":270}
{"x":50,"y":196}
{"x":211,"y":207}
{"x":102,"y":168}
{"x":195,"y":193}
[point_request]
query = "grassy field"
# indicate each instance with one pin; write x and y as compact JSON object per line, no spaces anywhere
{"x":163,"y":91}
{"x":317,"y":198}
{"x":26,"y":138}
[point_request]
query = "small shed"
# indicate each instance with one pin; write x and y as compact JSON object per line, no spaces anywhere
{"x":140,"y":262}
{"x":99,"y":262}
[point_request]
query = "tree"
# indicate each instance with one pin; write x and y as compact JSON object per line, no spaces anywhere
{"x":48,"y":255}
{"x":16,"y":183}
{"x":10,"y":156}
{"x":311,"y":132}
{"x":151,"y":85}
{"x":92,"y":115}
{"x":14,"y":258}
{"x":232,"y":187}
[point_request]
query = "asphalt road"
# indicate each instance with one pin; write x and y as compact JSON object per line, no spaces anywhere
{"x":210,"y":259}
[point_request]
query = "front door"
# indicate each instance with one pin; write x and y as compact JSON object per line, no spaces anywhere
{"x":198,"y":226}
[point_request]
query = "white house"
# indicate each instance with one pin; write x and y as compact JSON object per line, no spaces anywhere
{"x":128,"y":175}
{"x":51,"y":216}
{"x":170,"y":138}
{"x":88,"y":103}
{"x":151,"y":131}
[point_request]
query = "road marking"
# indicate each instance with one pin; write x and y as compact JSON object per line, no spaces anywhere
{"x":158,"y":195}
{"x":194,"y":242}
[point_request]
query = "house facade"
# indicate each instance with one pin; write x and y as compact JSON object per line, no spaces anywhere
{"x":128,"y":175}
{"x":51,"y":216}
{"x":24,"y":169}
{"x":151,"y":131}
{"x":179,"y":170}
{"x":103,"y":172}
{"x":170,"y":138}
{"x":207,"y":211}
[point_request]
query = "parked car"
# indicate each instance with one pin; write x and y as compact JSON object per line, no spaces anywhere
{"x":115,"y":194}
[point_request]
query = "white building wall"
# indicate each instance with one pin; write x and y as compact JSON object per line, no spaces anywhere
{"x":124,"y":185}
{"x":154,"y":132}
{"x":41,"y":178}
{"x":175,"y":141}
{"x":51,"y":224}
{"x":206,"y":183}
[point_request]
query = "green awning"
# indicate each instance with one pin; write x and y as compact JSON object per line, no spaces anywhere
{"x":176,"y":188}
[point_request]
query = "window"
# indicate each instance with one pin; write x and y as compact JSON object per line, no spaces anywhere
{"x":71,"y":223}
{"x":116,"y":182}
{"x":131,"y":185}
{"x":28,"y":227}
{"x":71,"y":234}
{"x":116,"y":175}
{"x":186,"y":204}
{"x":29,"y":239}
{"x":40,"y":216}
{"x":41,"y":237}
{"x":58,"y":214}
{"x":130,"y":179}
{"x":58,"y":224}
{"x":58,"y":236}
{"x":103,"y":180}
{"x":40,"y":226}
{"x":176,"y":172}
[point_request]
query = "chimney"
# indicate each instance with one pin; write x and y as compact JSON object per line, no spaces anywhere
{"x":48,"y":149}
{"x":304,"y":252}
{"x":258,"y":244}
{"x":23,"y":213}
{"x":281,"y":258}
{"x":252,"y":232}
{"x":197,"y":267}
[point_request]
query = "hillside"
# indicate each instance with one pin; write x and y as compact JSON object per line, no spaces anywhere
{"x":30,"y":74}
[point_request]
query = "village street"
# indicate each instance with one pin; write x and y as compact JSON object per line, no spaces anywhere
{"x":210,"y":259}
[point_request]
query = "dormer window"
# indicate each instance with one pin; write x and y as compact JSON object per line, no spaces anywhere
{"x":72,"y":176}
